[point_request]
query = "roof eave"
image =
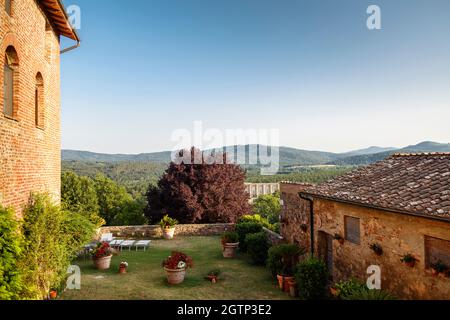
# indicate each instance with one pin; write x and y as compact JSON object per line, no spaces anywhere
{"x":366,"y":205}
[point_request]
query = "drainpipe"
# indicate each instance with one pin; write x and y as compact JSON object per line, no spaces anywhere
{"x":70,"y":48}
{"x":311,"y":220}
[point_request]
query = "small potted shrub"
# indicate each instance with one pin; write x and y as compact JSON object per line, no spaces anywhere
{"x":168,"y":227}
{"x":213,"y":275}
{"x":377,"y":249}
{"x":312,"y":278}
{"x":176,"y":266}
{"x":230,"y":242}
{"x":281,"y":261}
{"x":438,"y":268}
{"x":409,"y":260}
{"x":339,"y":238}
{"x":123,"y":267}
{"x":102,"y":255}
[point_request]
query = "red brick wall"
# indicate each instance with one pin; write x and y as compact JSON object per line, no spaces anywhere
{"x":30,"y":159}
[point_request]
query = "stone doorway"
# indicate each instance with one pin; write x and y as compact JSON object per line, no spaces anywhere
{"x":325,"y":252}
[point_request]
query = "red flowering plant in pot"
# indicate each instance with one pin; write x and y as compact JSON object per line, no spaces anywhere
{"x":102,"y":255}
{"x":176,"y":266}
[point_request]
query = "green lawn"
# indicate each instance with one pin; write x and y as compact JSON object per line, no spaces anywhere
{"x":146,"y":278}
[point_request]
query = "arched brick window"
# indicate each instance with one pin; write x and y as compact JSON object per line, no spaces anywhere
{"x":10,"y":82}
{"x":8,"y":6}
{"x":39,"y":101}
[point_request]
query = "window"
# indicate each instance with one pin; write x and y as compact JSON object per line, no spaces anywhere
{"x":352,"y":230}
{"x":39,"y":101}
{"x":436,"y":250}
{"x":8,"y":6}
{"x":9,"y":75}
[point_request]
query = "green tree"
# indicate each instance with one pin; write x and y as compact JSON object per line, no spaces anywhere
{"x":131,"y":214}
{"x":268,"y":206}
{"x":112,"y":198}
{"x":78,"y":194}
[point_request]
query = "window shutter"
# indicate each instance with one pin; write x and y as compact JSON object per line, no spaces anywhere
{"x":437,"y":250}
{"x":8,"y":91}
{"x":352,"y":230}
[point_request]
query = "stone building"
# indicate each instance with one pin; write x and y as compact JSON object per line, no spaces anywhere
{"x":401,"y":204}
{"x":30,"y":160}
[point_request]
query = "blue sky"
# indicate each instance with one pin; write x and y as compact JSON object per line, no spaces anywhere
{"x":311,"y":69}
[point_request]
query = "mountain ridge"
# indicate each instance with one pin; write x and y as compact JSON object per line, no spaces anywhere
{"x":288,"y":156}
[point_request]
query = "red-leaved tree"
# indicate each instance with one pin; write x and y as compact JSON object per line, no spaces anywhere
{"x":198,"y":188}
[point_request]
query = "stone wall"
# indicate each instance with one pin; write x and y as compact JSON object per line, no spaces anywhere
{"x":398,"y":234}
{"x":154,"y":231}
{"x":30,"y":153}
{"x":294,"y":214}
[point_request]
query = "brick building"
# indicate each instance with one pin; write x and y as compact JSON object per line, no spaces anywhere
{"x":30,"y":160}
{"x":401,"y":204}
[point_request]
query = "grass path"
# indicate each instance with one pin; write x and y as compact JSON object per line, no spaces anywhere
{"x":146,"y":279}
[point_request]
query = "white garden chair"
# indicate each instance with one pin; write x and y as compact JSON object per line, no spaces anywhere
{"x":127,"y":244}
{"x":142,"y":244}
{"x":116,"y":243}
{"x":107,"y":237}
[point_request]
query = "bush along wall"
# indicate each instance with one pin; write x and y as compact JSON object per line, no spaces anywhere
{"x":42,"y":248}
{"x":11,"y":242}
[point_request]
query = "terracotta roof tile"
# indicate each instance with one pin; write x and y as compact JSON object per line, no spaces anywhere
{"x":411,"y":183}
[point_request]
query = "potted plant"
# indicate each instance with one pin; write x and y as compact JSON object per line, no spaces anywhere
{"x":282,"y":260}
{"x":376,"y":248}
{"x":53,"y":294}
{"x":438,"y":268}
{"x":409,"y":260}
{"x":292,"y":285}
{"x":102,"y":255}
{"x":123,"y":267}
{"x":339,"y":238}
{"x":168,"y":226}
{"x":230,"y":242}
{"x":176,"y":266}
{"x":213,"y":275}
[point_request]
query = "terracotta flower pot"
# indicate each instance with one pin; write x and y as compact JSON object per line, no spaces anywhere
{"x":280,"y":279}
{"x":168,"y":233}
{"x":287,"y":282}
{"x":213,"y":279}
{"x":175,"y":276}
{"x":229,"y":249}
{"x":102,"y":263}
{"x":53,"y":294}
{"x":293,"y":291}
{"x":122,"y":270}
{"x":334,"y":292}
{"x":410,"y":264}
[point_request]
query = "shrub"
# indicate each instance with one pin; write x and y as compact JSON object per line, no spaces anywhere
{"x":52,"y":239}
{"x":168,"y":222}
{"x":230,"y":237}
{"x":356,"y":290}
{"x":256,"y":218}
{"x":348,"y":288}
{"x":245,"y":228}
{"x":257,"y":246}
{"x":312,"y":278}
{"x":11,"y":243}
{"x":283,"y":258}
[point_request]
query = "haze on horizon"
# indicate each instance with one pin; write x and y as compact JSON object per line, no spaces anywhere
{"x":310,"y":69}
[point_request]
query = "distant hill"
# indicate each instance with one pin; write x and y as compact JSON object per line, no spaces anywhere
{"x":366,"y":159}
{"x":288,"y":156}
